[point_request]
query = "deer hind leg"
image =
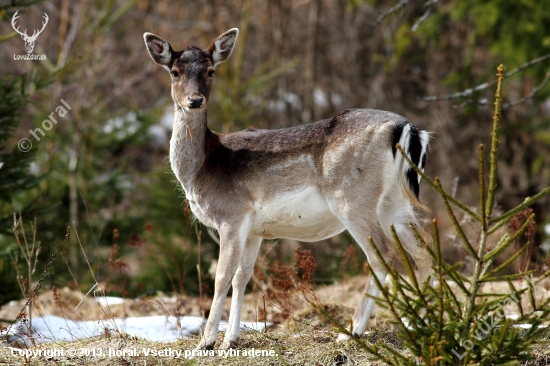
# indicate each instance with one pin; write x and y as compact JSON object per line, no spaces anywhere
{"x":401,"y":215}
{"x":420,"y":254}
{"x":377,"y":268}
{"x":240,"y":279}
{"x":232,"y":242}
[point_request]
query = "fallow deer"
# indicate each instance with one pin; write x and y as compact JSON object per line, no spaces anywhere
{"x":307,"y":183}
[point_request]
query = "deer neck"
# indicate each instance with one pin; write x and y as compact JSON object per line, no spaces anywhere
{"x":187,"y":146}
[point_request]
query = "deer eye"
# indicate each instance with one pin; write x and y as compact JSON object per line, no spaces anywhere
{"x":174,"y":73}
{"x":211,"y":73}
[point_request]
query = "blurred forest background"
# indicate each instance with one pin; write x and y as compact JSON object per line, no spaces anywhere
{"x":103,"y":167}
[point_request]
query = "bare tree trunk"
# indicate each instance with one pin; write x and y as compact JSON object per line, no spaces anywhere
{"x":280,"y":14}
{"x":309,"y":70}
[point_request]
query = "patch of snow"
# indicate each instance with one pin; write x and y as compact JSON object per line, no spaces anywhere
{"x":546,"y":106}
{"x":545,"y":244}
{"x":276,"y":105}
{"x":167,"y":118}
{"x":405,"y":322}
{"x":320,"y":98}
{"x":337,"y":99}
{"x":279,"y":105}
{"x":123,"y":126}
{"x":153,"y":328}
{"x":34,"y":168}
{"x":109,"y":300}
{"x":124,"y":181}
{"x":159,"y":135}
{"x":293,"y":99}
{"x":168,"y":300}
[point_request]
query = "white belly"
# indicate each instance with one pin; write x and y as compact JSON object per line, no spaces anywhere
{"x":301,"y":215}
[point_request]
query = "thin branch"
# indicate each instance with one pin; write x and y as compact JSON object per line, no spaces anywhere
{"x":455,"y":186}
{"x":530,"y":95}
{"x":483,"y":86}
{"x":456,"y":224}
{"x":483,"y":101}
{"x":429,"y":6}
{"x":397,"y":7}
{"x":432,"y":184}
{"x":528,"y":202}
{"x":69,"y":41}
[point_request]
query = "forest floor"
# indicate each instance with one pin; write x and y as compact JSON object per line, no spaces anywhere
{"x":299,"y":334}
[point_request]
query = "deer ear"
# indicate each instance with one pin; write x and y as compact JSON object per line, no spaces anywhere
{"x":222,"y":46}
{"x":161,"y":52}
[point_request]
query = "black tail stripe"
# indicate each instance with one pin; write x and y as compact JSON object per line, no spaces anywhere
{"x":415,"y":145}
{"x":397,"y":131}
{"x":415,"y":150}
{"x":423,"y":162}
{"x":412,"y":179}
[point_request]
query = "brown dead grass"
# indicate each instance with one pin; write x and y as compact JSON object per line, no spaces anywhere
{"x":312,"y":348}
{"x":304,"y":348}
{"x":300,"y":337}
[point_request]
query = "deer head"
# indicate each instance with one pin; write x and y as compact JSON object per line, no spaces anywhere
{"x":192,"y":70}
{"x":29,"y":41}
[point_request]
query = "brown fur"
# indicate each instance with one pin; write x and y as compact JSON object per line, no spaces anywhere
{"x":306,"y":182}
{"x":237,"y":154}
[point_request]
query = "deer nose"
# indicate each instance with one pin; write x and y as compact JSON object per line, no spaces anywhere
{"x":195,"y":102}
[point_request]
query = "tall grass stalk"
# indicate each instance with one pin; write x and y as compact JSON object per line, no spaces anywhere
{"x":30,"y":255}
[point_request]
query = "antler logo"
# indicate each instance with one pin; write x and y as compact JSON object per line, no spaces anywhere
{"x":29,"y":41}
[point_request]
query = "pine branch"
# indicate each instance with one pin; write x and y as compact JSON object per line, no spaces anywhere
{"x":433,"y":184}
{"x":494,"y":145}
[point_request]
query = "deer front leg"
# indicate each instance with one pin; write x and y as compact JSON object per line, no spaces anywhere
{"x":232,"y":240}
{"x":240,"y":279}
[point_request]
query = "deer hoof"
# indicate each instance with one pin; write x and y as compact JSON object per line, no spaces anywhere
{"x":227,"y":345}
{"x":203,"y":347}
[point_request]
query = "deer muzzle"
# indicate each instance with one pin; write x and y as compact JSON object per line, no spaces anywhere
{"x":195,"y":101}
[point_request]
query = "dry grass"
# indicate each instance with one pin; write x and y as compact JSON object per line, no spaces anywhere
{"x":309,"y":348}
{"x":305,"y":348}
{"x":304,"y":338}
